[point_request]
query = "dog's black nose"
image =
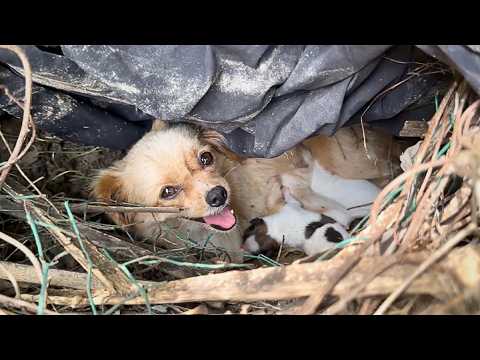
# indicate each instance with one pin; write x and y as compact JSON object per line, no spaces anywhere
{"x":217,"y":196}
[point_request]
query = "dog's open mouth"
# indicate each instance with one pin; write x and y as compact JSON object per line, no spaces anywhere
{"x":223,"y":221}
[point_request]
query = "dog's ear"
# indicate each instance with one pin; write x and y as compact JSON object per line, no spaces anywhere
{"x":108,"y":187}
{"x":158,"y":125}
{"x":217,"y":141}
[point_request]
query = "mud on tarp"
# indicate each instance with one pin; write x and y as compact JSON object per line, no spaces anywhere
{"x":264,"y":98}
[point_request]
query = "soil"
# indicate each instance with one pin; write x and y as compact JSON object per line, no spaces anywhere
{"x":58,"y":167}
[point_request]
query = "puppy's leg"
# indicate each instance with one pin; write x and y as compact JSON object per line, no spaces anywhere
{"x":275,"y":199}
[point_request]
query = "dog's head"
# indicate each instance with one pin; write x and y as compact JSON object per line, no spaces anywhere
{"x":176,"y":166}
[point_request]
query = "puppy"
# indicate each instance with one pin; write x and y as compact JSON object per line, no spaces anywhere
{"x":319,"y":190}
{"x":187,"y":167}
{"x":296,"y":227}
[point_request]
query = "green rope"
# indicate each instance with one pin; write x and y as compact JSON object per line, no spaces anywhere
{"x":87,"y":256}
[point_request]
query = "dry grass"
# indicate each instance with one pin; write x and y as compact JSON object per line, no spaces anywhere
{"x":417,"y":253}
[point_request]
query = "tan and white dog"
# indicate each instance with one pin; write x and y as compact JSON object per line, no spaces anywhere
{"x":188,"y":167}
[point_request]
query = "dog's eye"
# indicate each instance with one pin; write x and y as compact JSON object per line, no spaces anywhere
{"x":169,"y":192}
{"x":206,"y":158}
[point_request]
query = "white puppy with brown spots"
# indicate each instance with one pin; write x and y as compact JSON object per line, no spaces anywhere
{"x":296,"y":227}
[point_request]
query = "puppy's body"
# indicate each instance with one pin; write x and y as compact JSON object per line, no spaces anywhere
{"x":297,"y":186}
{"x":319,"y":190}
{"x":295,"y":227}
{"x":170,"y":160}
{"x":350,"y":193}
{"x":290,"y":224}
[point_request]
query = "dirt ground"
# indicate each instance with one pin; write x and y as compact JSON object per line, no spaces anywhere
{"x":58,"y":168}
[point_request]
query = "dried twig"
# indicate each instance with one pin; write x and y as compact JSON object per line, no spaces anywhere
{"x":10,"y":277}
{"x":96,"y":237}
{"x":33,"y":259}
{"x":107,"y":273}
{"x":343,"y":302}
{"x":466,"y":303}
{"x":397,"y":182}
{"x":22,"y":304}
{"x":437,"y":255}
{"x":311,"y":304}
{"x":56,"y":278}
{"x":292,"y":281}
{"x":26,"y":110}
{"x":86,"y":208}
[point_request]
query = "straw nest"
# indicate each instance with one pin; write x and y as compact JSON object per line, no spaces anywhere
{"x":417,"y":252}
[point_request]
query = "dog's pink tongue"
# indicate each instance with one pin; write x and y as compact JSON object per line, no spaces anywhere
{"x":225,"y":219}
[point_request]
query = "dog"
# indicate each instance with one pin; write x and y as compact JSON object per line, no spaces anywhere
{"x":189,"y":168}
{"x":295,"y":227}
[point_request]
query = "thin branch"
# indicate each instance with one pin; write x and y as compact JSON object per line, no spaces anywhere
{"x":82,"y":208}
{"x":33,"y":259}
{"x":437,"y":255}
{"x":22,"y":304}
{"x":12,"y":279}
{"x":26,"y":110}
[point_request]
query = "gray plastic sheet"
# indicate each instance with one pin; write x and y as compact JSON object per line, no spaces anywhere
{"x":264,"y":98}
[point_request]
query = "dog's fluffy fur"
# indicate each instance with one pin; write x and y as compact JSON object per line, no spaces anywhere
{"x":168,"y":155}
{"x":163,"y":157}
